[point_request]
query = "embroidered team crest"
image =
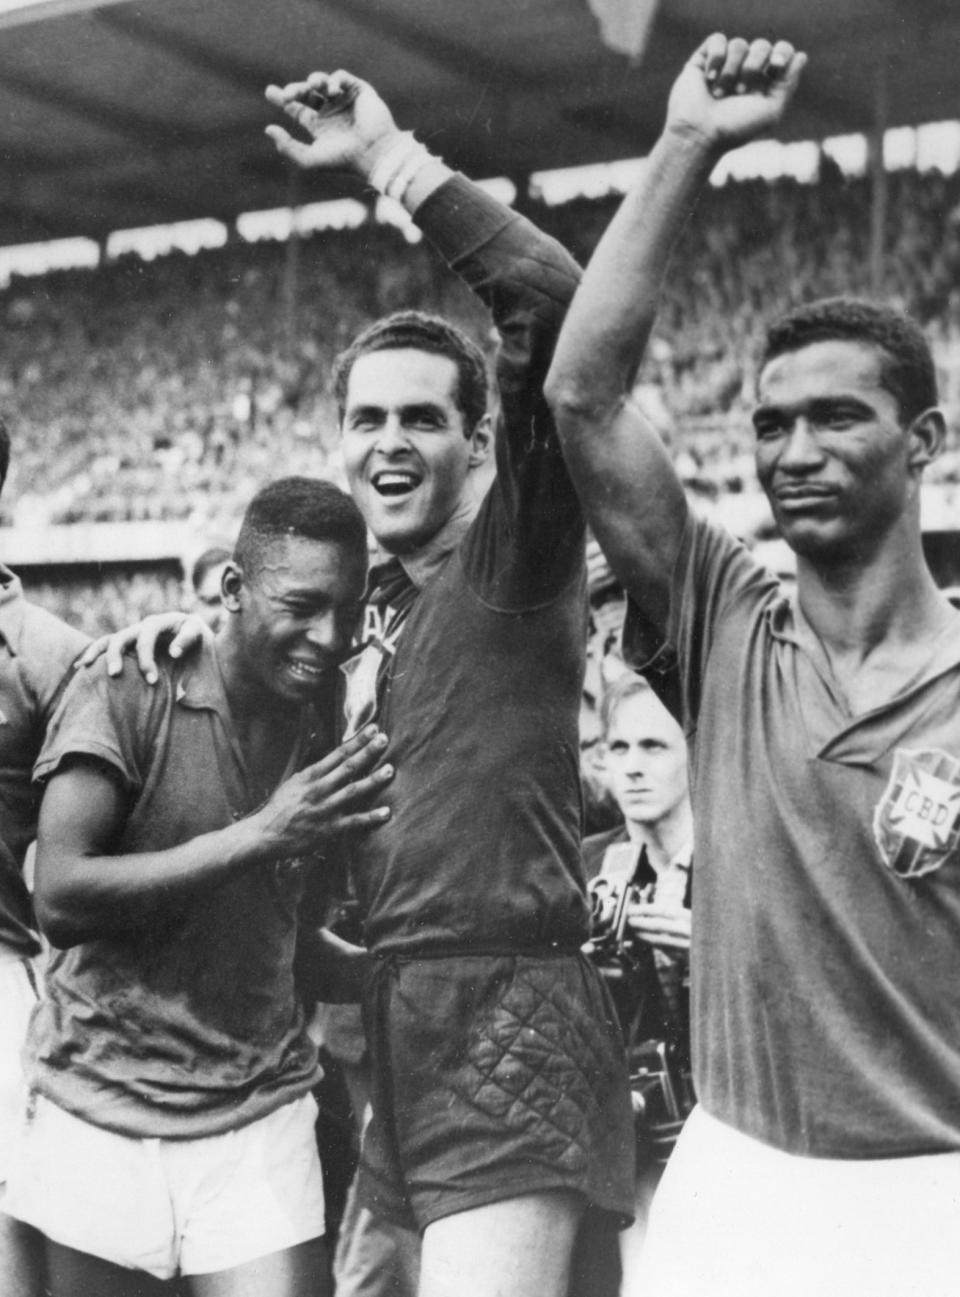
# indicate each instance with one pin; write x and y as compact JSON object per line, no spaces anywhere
{"x":917,"y":821}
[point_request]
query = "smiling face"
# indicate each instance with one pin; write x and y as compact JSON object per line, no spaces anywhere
{"x":646,"y":759}
{"x":405,"y":445}
{"x":832,"y":454}
{"x":296,"y":616}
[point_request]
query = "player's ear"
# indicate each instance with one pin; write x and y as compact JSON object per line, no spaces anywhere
{"x":231,"y":583}
{"x":927,"y":434}
{"x":481,"y":441}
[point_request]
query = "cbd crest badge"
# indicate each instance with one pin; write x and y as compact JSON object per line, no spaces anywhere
{"x":916,"y":824}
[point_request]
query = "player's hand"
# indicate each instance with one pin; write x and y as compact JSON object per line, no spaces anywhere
{"x":349,"y":125}
{"x":328,"y":799}
{"x":183,"y":630}
{"x":666,"y":926}
{"x":733,"y":90}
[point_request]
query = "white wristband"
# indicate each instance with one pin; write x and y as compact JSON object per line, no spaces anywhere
{"x":389,"y":168}
{"x":412,"y":165}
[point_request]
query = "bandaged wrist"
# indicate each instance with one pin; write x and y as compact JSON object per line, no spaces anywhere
{"x":393,"y":172}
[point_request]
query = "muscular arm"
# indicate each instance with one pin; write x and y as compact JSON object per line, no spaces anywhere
{"x":84,"y":891}
{"x":631,"y":495}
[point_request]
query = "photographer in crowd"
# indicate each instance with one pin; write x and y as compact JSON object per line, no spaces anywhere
{"x":639,"y":875}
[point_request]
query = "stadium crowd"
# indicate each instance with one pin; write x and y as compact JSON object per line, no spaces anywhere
{"x":164,"y":389}
{"x":707,"y":1046}
{"x":167,"y":389}
{"x":99,"y":605}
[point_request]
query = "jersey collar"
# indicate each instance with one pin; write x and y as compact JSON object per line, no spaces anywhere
{"x":423,"y":563}
{"x":200,"y":684}
{"x":865,"y":737}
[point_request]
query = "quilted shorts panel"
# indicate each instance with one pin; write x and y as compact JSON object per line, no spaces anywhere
{"x":494,"y":1076}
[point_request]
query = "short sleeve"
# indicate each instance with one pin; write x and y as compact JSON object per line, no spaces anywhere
{"x":714,"y":577}
{"x":107,"y":719}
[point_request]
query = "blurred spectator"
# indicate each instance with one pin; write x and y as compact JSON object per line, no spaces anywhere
{"x":640,"y":881}
{"x":607,"y":605}
{"x":205,"y":578}
{"x":102,"y":605}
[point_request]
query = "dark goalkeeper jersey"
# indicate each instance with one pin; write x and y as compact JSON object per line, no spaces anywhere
{"x":479,"y":688}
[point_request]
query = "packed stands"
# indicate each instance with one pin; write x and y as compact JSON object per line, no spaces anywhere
{"x":105,"y":603}
{"x":172,"y":389}
{"x":756,"y":248}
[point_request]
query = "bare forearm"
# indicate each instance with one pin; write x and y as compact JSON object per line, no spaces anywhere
{"x":86,"y":890}
{"x":630,"y":493}
{"x":609,"y":323}
{"x":105,"y":895}
{"x":728,"y":93}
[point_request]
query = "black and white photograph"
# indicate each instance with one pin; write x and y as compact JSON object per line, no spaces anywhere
{"x":479,"y":648}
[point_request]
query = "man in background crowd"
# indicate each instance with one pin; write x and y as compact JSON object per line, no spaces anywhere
{"x":825,"y":1155}
{"x":640,"y":879}
{"x":607,"y":606}
{"x":36,"y":654}
{"x":645,"y":763}
{"x":206,"y":577}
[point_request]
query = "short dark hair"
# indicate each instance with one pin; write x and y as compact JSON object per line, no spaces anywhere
{"x":421,"y":332}
{"x":907,"y":368}
{"x":299,"y":506}
{"x":209,"y":559}
{"x":4,"y":450}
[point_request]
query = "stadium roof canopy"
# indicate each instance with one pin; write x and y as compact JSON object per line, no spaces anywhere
{"x":122,"y":113}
